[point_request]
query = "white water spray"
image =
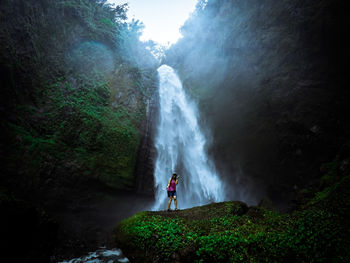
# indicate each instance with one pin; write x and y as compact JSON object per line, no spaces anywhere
{"x":180,"y":147}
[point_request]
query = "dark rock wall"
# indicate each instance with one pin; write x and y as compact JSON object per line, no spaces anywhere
{"x":270,"y":80}
{"x":144,"y":171}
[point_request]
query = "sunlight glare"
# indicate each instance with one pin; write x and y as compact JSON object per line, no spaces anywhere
{"x":162,"y":18}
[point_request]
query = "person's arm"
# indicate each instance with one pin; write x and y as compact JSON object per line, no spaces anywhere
{"x":177,"y":180}
{"x":168,"y":183}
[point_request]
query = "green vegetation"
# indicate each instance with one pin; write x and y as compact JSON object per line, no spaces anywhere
{"x":65,"y":64}
{"x":319,"y":231}
{"x":79,"y":126}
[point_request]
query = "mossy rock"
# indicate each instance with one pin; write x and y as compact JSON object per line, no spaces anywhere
{"x":161,"y":236}
{"x":233,"y":232}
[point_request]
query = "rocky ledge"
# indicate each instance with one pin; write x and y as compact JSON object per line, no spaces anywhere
{"x":318,"y":231}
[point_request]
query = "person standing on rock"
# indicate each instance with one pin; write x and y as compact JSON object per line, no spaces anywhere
{"x":171,"y":188}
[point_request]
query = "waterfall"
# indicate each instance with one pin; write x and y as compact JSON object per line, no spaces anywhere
{"x":180,"y":146}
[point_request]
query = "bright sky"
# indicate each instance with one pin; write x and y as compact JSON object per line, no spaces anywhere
{"x":162,"y":18}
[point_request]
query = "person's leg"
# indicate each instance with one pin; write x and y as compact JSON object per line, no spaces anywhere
{"x":175,"y":201}
{"x":169,"y":203}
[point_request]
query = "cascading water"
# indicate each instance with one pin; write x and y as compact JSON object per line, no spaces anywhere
{"x":180,"y":146}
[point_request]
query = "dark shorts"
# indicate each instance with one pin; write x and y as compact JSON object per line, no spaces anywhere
{"x":171,"y":193}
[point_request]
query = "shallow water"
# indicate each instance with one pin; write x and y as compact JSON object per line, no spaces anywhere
{"x":88,"y":224}
{"x":101,"y":256}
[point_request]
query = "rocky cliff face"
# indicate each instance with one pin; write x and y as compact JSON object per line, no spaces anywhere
{"x":269,"y":80}
{"x":75,"y":89}
{"x":144,"y":171}
{"x":139,"y":93}
{"x":75,"y":93}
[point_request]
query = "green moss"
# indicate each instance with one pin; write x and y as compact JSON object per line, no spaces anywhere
{"x":215,"y":233}
{"x":80,"y":124}
{"x":67,"y":68}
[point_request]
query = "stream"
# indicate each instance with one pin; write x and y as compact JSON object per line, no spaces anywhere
{"x":101,"y":256}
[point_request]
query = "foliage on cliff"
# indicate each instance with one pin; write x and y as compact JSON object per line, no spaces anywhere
{"x":269,"y":80}
{"x":64,"y":65}
{"x":318,"y":231}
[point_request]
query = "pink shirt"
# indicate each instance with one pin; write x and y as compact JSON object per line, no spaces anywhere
{"x":172,"y":186}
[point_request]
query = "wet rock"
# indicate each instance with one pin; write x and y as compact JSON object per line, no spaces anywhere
{"x":240,"y":208}
{"x":147,"y":152}
{"x":265,"y":202}
{"x":315,"y":129}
